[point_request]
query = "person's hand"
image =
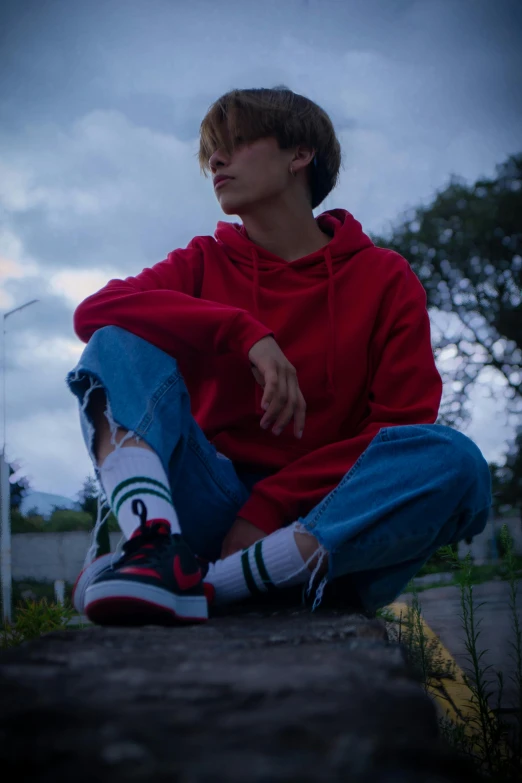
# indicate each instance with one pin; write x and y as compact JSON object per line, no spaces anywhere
{"x":241,"y":535}
{"x":282,"y":399}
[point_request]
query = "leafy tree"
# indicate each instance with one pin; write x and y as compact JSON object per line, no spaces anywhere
{"x":19,"y":487}
{"x":507,"y":478}
{"x":88,"y":497}
{"x":466,"y":248}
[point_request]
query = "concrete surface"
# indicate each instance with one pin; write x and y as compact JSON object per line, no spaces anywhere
{"x":434,"y":579}
{"x":260,"y":696}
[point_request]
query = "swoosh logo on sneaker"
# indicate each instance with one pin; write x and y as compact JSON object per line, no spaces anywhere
{"x":136,"y":571}
{"x":185,"y":581}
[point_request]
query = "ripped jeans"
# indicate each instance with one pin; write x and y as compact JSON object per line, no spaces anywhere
{"x":414,"y":489}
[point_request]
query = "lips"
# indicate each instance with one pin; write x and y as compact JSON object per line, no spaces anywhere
{"x":221,"y":178}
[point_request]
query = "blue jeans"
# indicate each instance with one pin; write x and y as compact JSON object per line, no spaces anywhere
{"x":414,"y":489}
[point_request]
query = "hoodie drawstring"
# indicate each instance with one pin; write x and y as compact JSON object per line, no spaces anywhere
{"x":330,"y":348}
{"x":330,"y":357}
{"x":255,"y":261}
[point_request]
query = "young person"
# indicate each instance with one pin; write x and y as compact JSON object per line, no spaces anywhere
{"x":260,"y":405}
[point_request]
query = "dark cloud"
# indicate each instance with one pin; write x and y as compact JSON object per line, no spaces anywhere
{"x":156,"y":60}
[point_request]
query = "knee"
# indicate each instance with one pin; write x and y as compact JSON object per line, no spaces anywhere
{"x":467,"y":462}
{"x":106,"y":355}
{"x":112,"y":336}
{"x":114,"y":350}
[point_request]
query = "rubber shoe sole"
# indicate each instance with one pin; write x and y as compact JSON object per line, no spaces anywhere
{"x":87,"y":576}
{"x":117,"y":602}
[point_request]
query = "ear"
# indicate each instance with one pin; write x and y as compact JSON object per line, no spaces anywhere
{"x":302,"y":157}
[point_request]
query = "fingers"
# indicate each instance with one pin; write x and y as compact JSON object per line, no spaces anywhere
{"x":285,"y":401}
{"x":271,"y":382}
{"x":288,"y":410}
{"x":299,"y":415}
{"x":277,"y":401}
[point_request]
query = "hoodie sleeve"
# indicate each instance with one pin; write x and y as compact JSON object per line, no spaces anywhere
{"x":405,"y":388}
{"x":162,"y":306}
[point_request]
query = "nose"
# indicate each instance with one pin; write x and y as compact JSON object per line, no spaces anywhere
{"x":218,"y":159}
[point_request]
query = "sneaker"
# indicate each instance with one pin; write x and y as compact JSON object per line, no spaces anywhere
{"x":87,"y":576}
{"x":105,"y":563}
{"x":156,"y":581}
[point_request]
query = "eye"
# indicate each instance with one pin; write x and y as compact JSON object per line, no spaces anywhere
{"x":239,"y":140}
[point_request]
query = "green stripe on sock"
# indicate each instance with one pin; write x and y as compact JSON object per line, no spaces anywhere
{"x":247,"y":573}
{"x":138,"y":479}
{"x":141,"y":491}
{"x":263,"y":573}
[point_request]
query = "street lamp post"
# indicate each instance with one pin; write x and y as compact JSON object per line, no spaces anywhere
{"x":5,"y":487}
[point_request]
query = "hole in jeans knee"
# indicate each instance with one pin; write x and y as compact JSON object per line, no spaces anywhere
{"x":95,"y":410}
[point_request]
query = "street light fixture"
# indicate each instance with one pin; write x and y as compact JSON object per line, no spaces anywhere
{"x":5,"y":493}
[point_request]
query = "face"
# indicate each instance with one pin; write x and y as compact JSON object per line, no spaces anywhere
{"x":258,"y":175}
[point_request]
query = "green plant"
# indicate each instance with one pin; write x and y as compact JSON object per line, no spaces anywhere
{"x":512,"y":575}
{"x":425,"y":654}
{"x":437,"y":563}
{"x":386,"y":614}
{"x":483,"y":725}
{"x":485,"y":736}
{"x":34,"y":618}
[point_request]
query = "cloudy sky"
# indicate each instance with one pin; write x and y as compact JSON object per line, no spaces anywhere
{"x":100,"y":105}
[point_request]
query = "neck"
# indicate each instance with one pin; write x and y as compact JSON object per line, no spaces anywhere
{"x":288,"y":231}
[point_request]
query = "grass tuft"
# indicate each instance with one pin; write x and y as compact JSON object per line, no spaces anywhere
{"x":34,"y":618}
{"x":484,"y":735}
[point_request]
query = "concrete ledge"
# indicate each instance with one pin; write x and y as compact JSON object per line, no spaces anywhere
{"x":261,"y":695}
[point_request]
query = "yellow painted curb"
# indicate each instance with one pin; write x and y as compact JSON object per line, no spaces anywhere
{"x":452,"y":695}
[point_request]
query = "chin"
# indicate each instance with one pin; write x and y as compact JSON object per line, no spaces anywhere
{"x":230,"y":208}
{"x":233,"y":204}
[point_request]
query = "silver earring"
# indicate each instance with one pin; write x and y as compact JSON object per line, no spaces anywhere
{"x":292,"y":172}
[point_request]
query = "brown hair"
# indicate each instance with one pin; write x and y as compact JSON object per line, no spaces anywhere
{"x":291,"y":118}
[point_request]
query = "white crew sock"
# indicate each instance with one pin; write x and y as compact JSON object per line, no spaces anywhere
{"x":272,"y":562}
{"x":132,"y":472}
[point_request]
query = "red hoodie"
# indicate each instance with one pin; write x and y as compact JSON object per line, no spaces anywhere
{"x":350,"y":317}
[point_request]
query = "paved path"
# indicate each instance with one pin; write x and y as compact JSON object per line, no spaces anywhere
{"x":441,"y":610}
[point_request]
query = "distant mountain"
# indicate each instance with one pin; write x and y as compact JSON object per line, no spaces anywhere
{"x":45,"y":503}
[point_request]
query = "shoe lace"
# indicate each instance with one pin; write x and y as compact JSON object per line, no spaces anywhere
{"x":150,"y":537}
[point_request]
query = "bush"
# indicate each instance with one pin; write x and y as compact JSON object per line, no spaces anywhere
{"x":500,"y":540}
{"x":62,"y":520}
{"x":437,"y":562}
{"x":21,"y":524}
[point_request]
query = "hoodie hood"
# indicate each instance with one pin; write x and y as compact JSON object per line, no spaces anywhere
{"x":347,"y":239}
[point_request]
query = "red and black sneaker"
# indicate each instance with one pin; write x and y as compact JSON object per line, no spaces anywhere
{"x":157,"y":580}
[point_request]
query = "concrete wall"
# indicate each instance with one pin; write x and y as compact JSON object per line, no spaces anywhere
{"x":49,"y":556}
{"x":483,"y":548}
